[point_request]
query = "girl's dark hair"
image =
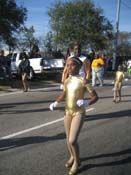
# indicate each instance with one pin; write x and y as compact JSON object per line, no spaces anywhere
{"x":24,"y":55}
{"x":77,"y":60}
{"x":120,"y":67}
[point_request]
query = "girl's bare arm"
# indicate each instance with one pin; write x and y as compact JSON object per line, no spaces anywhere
{"x":61,"y":97}
{"x":94,"y":97}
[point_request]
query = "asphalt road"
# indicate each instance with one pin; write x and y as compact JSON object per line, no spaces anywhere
{"x":32,"y":138}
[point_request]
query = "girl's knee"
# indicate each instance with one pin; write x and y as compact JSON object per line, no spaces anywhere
{"x":72,"y":142}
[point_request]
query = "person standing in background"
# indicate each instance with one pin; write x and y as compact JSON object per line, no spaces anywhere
{"x":129,"y":67}
{"x":85,"y":69}
{"x":105,"y":59}
{"x":24,"y":68}
{"x":4,"y":64}
{"x":120,"y":75}
{"x":97,"y":67}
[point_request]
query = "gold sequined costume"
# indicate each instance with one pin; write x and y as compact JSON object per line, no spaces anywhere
{"x":118,"y":80}
{"x":75,"y":90}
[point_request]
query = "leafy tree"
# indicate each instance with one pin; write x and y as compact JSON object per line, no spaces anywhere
{"x":26,"y":38}
{"x":80,"y":21}
{"x":124,"y":44}
{"x":48,"y":42}
{"x":12,"y":18}
{"x":50,"y":48}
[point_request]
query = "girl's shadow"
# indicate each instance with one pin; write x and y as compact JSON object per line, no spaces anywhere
{"x":109,"y":155}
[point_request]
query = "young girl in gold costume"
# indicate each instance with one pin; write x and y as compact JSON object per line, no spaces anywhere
{"x":73,"y":93}
{"x":120,"y":75}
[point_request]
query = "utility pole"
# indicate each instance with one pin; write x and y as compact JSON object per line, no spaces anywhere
{"x":116,"y":35}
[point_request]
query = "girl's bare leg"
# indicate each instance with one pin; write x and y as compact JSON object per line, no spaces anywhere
{"x":115,"y":92}
{"x":24,"y":80}
{"x":75,"y":128}
{"x":67,"y":125}
{"x":119,"y":95}
{"x":115,"y":95}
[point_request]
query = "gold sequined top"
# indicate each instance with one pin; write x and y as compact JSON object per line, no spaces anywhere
{"x":75,"y":89}
{"x":119,"y":76}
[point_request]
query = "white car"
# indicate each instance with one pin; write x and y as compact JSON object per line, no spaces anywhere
{"x":40,"y":65}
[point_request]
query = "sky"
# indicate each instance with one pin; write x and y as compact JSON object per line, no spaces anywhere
{"x":37,"y":15}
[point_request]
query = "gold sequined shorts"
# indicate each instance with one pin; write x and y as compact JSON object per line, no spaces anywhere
{"x":73,"y":113}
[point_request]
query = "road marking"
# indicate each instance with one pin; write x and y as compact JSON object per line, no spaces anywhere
{"x":36,"y":127}
{"x":126,"y":86}
{"x":30,"y":129}
{"x":90,"y":109}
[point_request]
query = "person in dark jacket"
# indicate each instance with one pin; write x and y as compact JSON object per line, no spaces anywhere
{"x":5,"y":65}
{"x":24,"y":68}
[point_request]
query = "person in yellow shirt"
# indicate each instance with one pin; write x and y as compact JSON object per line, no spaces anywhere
{"x":97,"y":67}
{"x":73,"y":93}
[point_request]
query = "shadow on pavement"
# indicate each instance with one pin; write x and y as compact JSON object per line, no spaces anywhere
{"x":19,"y":142}
{"x":126,"y":152}
{"x":124,"y":113}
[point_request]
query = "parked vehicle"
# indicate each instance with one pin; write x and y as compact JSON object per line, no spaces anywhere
{"x":40,"y":65}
